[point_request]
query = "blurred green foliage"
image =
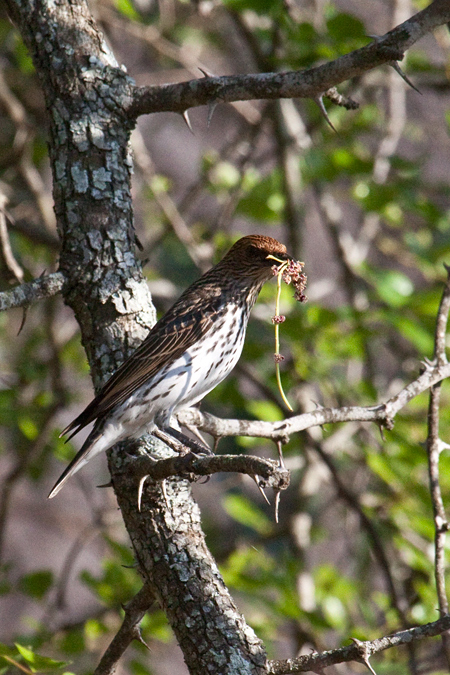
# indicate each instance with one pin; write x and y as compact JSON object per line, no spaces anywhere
{"x":374,"y":243}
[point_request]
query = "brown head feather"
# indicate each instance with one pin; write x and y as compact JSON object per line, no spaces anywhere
{"x":249,"y":258}
{"x":268,"y":245}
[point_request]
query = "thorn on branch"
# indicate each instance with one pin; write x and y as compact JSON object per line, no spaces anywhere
{"x":140,"y":490}
{"x":277,"y":504}
{"x":206,"y":73}
{"x":185,"y":116}
{"x":24,"y":318}
{"x":317,"y":405}
{"x":319,"y":101}
{"x":364,"y":653}
{"x":211,"y":108}
{"x":403,"y":75}
{"x":442,"y":445}
{"x":260,"y":485}
{"x":427,"y":365}
{"x":139,"y":245}
{"x":137,"y":635}
{"x":280,"y":455}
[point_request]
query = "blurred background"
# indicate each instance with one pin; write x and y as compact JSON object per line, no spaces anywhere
{"x":367,"y":208}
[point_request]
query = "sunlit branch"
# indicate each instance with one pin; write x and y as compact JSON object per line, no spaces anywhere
{"x":311,"y":83}
{"x":382,"y":413}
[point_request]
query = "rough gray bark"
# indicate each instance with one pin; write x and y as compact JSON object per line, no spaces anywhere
{"x":86,"y":93}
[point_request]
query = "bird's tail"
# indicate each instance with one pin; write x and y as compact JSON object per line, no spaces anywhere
{"x":91,"y":447}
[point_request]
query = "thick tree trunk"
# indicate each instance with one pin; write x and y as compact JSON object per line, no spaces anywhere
{"x":86,"y":93}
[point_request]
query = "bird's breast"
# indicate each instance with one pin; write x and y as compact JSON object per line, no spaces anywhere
{"x":196,"y":372}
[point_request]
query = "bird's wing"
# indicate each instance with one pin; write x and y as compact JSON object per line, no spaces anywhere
{"x":180,"y":328}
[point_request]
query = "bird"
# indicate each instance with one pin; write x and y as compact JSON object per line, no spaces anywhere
{"x":187,"y":353}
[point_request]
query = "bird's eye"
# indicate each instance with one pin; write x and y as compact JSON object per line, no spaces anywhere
{"x":256,"y":253}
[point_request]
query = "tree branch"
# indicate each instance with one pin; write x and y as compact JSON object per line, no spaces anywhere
{"x":383,"y":413}
{"x":272,"y":474}
{"x":310,"y":83}
{"x":32,"y":291}
{"x":129,"y":631}
{"x":359,"y":651}
{"x":434,"y":447}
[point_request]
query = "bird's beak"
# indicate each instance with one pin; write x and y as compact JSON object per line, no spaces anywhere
{"x":286,"y":258}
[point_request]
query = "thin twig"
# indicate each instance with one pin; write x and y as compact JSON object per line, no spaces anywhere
{"x":434,"y":447}
{"x":361,"y":651}
{"x":11,"y":269}
{"x":441,"y":323}
{"x":129,"y":631}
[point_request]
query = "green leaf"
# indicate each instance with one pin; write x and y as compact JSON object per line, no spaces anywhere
{"x":245,"y":512}
{"x":259,"y":6}
{"x":36,"y":584}
{"x":23,"y":57}
{"x":412,"y":330}
{"x":346,"y":26}
{"x":126,"y":8}
{"x":225,"y":175}
{"x":334,"y":611}
{"x":73,"y":642}
{"x":28,"y":427}
{"x":265,"y":410}
{"x":6,"y":651}
{"x":38,"y":663}
{"x":395,"y":288}
{"x":265,"y":201}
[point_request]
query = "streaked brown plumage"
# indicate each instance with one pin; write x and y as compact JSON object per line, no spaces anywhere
{"x":185,"y":355}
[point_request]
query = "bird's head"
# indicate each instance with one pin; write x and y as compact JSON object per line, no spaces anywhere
{"x":254,"y":256}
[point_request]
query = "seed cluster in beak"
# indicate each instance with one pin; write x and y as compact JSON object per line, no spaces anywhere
{"x":291,"y":272}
